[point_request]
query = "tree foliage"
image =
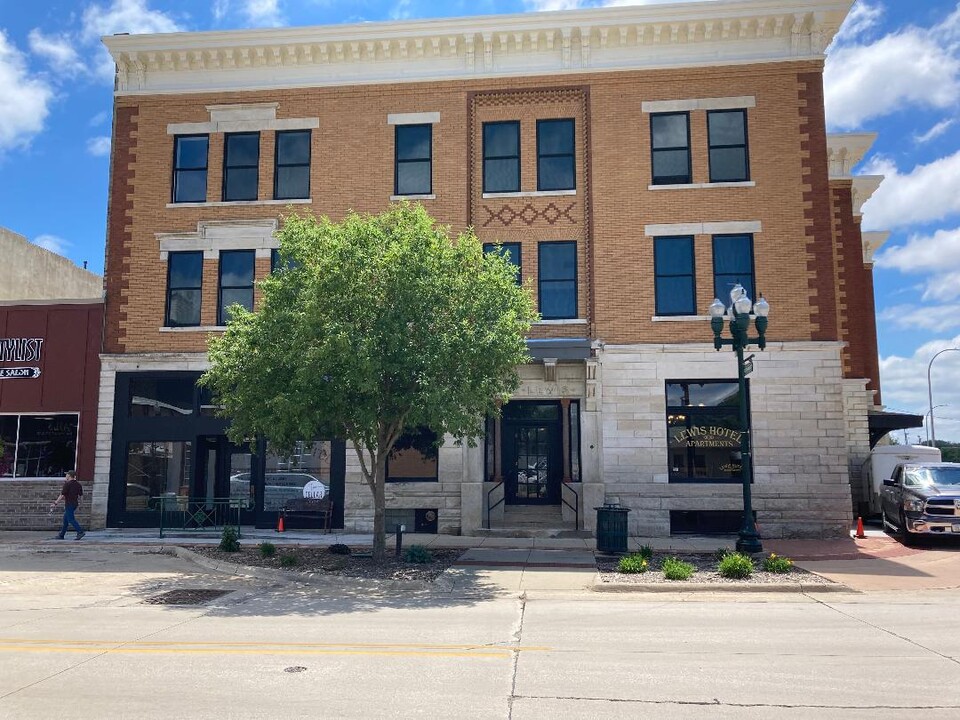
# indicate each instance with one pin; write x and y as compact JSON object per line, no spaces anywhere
{"x":372,"y":326}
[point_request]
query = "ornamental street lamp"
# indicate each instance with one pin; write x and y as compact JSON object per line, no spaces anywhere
{"x":740,"y":306}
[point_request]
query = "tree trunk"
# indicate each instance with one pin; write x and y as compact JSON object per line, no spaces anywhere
{"x":379,"y":506}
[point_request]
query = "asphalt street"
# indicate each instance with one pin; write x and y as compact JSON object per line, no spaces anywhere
{"x":79,"y":639}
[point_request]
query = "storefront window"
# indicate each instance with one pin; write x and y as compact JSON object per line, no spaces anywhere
{"x":703,"y":431}
{"x":304,"y":473}
{"x":575,"y":441}
{"x":37,"y":446}
{"x":161,"y":396}
{"x":156,"y":469}
{"x":241,"y":487}
{"x":414,"y":457}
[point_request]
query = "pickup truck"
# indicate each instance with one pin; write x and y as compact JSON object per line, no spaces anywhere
{"x":922,"y":499}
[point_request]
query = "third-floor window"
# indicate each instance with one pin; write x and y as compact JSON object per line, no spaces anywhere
{"x":190,"y":168}
{"x":670,"y":147}
{"x":556,"y":158}
{"x":501,"y":156}
{"x":241,"y":166}
{"x":729,"y":160}
{"x":291,"y":179}
{"x":413,"y":171}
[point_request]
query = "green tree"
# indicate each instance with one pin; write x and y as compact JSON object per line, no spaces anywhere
{"x":373,"y":325}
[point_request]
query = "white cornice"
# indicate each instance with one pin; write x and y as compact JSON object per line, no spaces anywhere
{"x":722,"y":32}
{"x":845,"y":150}
{"x":872,"y":241}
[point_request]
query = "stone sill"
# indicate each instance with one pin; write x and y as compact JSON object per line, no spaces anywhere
{"x":195,"y":328}
{"x":395,"y":198}
{"x":703,"y":186}
{"x":241,"y":203}
{"x":535,"y":193}
{"x":571,"y":321}
{"x":679,"y":318}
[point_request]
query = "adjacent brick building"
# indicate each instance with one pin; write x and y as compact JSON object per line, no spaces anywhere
{"x":635,"y":162}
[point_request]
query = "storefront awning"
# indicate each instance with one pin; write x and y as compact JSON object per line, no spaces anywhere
{"x":882,"y":423}
{"x":559,"y":349}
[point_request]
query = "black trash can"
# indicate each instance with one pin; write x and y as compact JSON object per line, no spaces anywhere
{"x":612,"y":528}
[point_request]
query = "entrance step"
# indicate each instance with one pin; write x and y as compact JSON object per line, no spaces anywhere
{"x":533,"y":521}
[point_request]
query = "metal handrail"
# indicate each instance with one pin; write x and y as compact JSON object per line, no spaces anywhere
{"x":490,"y":507}
{"x":575,"y":507}
{"x":199,"y":513}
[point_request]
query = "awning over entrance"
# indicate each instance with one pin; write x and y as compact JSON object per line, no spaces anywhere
{"x":559,"y":348}
{"x":882,"y":423}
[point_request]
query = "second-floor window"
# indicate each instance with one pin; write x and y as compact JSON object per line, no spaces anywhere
{"x":732,"y":265}
{"x":291,"y":174}
{"x":241,"y":166}
{"x":511,"y":251}
{"x":190,"y":168}
{"x":413,"y":169}
{"x":184,"y":284}
{"x":501,"y":156}
{"x":556,"y":159}
{"x":674,"y":276}
{"x":729,"y":159}
{"x":236,"y":282}
{"x":558,"y":280}
{"x":670,"y":147}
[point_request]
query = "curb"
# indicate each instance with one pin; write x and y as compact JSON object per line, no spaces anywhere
{"x":721,"y":587}
{"x":310,"y":578}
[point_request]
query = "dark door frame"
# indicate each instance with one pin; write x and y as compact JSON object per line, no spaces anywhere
{"x":510,"y":452}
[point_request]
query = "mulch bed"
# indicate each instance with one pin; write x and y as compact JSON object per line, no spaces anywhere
{"x":705,"y":574}
{"x":320,"y":560}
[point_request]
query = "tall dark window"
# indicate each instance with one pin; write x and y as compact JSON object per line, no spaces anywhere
{"x":415,"y":457}
{"x":673,"y":264}
{"x":291,"y":173}
{"x":241,"y":166}
{"x":556,"y":162}
{"x":236,"y":282}
{"x":511,"y":251}
{"x":703,"y":431}
{"x":190,"y":168}
{"x":413,"y":149}
{"x":184,"y":282}
{"x":727,"y":133}
{"x":501,"y":156}
{"x":558,"y":280}
{"x":670,"y":147}
{"x":732,"y":265}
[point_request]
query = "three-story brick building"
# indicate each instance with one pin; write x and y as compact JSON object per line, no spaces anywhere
{"x":635,"y":163}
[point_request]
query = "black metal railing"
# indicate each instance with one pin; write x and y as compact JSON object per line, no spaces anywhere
{"x":490,"y":508}
{"x":180,"y":513}
{"x":576,"y":503}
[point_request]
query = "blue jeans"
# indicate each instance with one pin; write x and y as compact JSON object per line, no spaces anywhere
{"x":69,"y":519}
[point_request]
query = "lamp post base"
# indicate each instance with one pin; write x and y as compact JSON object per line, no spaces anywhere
{"x":749,"y":542}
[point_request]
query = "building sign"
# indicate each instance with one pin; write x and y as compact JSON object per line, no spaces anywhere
{"x":707,"y":436}
{"x":23,"y":350}
{"x":19,"y":372}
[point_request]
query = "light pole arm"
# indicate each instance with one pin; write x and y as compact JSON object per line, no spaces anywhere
{"x":933,"y":426}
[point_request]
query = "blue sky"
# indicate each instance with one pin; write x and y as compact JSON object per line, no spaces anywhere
{"x":894,"y":70}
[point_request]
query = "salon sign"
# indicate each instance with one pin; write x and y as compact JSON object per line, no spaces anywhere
{"x":20,"y":350}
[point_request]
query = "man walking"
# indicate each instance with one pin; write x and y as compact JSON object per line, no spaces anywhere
{"x":70,"y":494}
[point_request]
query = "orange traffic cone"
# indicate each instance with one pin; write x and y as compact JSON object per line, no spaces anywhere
{"x":280,"y":523}
{"x":859,"y":534}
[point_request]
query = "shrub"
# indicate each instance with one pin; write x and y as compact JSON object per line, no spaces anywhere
{"x":230,"y":539}
{"x":289,"y":560}
{"x":635,"y":563}
{"x":720,"y":553}
{"x":777,"y":564}
{"x":267,"y":549}
{"x":736,"y":566}
{"x":646,"y":552}
{"x":417,"y":554}
{"x":339,"y":549}
{"x":675,"y":569}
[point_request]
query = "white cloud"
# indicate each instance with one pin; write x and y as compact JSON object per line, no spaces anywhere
{"x":100,"y":118}
{"x":937,"y":256}
{"x":24,"y":99}
{"x":547,"y":5}
{"x":122,"y":16}
{"x":925,"y":194}
{"x":99,"y":146}
{"x":935,"y":318}
{"x":263,"y":12}
{"x":52,"y":243}
{"x":862,"y":17}
{"x":904,"y":381}
{"x":58,"y":51}
{"x":220,"y":9}
{"x":933,"y":133}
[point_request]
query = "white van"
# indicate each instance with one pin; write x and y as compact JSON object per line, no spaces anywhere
{"x":882,"y":461}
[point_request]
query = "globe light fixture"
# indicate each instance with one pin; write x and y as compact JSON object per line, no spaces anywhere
{"x":739,"y":312}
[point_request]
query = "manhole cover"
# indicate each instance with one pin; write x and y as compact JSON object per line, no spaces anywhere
{"x":295,"y":669}
{"x":186,"y":597}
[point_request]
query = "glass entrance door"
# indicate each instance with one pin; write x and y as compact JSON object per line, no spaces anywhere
{"x":223,"y":483}
{"x":532,"y":454}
